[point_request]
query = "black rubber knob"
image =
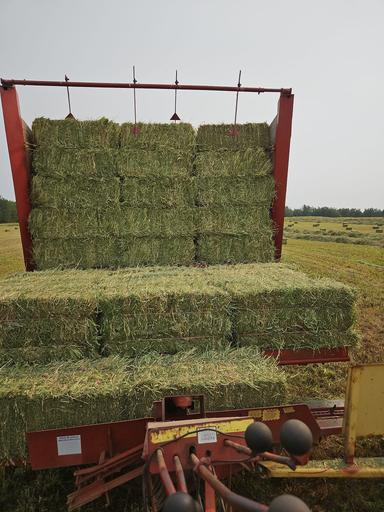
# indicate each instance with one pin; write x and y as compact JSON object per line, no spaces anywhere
{"x":288,"y":503}
{"x":179,"y":502}
{"x":296,"y":437}
{"x":258,"y":437}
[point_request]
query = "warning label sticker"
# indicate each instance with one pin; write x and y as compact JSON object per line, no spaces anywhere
{"x":69,"y":445}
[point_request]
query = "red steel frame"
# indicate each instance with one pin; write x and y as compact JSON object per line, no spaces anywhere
{"x":18,"y":153}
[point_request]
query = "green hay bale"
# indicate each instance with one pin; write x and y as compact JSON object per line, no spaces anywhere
{"x":114,"y":389}
{"x":74,"y":193}
{"x":74,"y":163}
{"x":234,"y":191}
{"x":171,"y":136}
{"x":144,"y":222}
{"x":154,"y":163}
{"x":57,"y":223}
{"x":154,"y":192}
{"x":162,"y":310}
{"x":72,"y":133}
{"x":275,"y":306}
{"x":68,"y":253}
{"x":248,"y":162}
{"x":48,"y":315}
{"x":250,"y":135}
{"x":112,"y":252}
{"x":134,"y":251}
{"x":220,"y":249}
{"x":235,"y":221}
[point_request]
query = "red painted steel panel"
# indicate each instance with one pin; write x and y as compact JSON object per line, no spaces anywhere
{"x":308,"y":356}
{"x":19,"y":158}
{"x":109,"y":437}
{"x":281,"y":160}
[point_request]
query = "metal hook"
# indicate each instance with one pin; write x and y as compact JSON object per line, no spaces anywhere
{"x":175,"y":117}
{"x":234,"y":132}
{"x":135,"y":130}
{"x":70,"y":115}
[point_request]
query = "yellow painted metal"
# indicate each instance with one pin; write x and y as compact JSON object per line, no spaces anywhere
{"x":164,"y":435}
{"x":364,"y":405}
{"x":265,"y":414}
{"x":363,"y":468}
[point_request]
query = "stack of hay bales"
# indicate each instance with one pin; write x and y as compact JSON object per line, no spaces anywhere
{"x":234,"y":192}
{"x":74,"y":183}
{"x":104,"y":197}
{"x":113,"y":388}
{"x":163,"y":310}
{"x":276,"y":307}
{"x":71,"y":314}
{"x":47,"y":316}
{"x":58,"y":315}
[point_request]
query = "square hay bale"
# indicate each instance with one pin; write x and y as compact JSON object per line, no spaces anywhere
{"x":46,"y":315}
{"x":251,"y":135}
{"x":158,"y":192}
{"x":58,"y":223}
{"x":234,"y":191}
{"x":62,"y":253}
{"x":145,"y":222}
{"x":74,"y":193}
{"x":154,"y":163}
{"x":275,"y":306}
{"x":222,"y":249}
{"x":248,"y":162}
{"x":235,"y":221}
{"x":145,"y":251}
{"x":74,"y":163}
{"x":163,"y":310}
{"x":72,"y":133}
{"x":158,"y":136}
{"x":112,"y":389}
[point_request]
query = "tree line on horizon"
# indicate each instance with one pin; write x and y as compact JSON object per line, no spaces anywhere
{"x":327,"y":211}
{"x":8,"y":211}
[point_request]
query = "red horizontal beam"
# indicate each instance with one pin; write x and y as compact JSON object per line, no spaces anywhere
{"x":129,"y":85}
{"x":308,"y":356}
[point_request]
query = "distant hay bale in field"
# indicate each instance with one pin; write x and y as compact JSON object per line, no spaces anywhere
{"x":113,"y":389}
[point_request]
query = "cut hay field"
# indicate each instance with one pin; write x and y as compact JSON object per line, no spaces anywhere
{"x":350,"y":230}
{"x":359,"y":265}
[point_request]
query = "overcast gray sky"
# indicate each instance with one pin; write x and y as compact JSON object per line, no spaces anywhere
{"x":330,"y":52}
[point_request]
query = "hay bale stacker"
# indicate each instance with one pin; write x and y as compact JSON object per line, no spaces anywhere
{"x":199,"y":448}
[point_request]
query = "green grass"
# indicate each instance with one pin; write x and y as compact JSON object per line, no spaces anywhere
{"x":358,"y":231}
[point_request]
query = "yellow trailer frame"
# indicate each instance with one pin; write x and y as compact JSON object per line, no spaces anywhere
{"x":363,"y":417}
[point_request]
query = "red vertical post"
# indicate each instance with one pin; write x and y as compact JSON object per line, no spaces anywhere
{"x":281,"y":160}
{"x":19,"y":159}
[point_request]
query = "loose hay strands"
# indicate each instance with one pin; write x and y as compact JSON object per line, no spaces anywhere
{"x":72,"y":133}
{"x":234,"y":191}
{"x":249,"y":162}
{"x":111,"y":389}
{"x":251,"y":135}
